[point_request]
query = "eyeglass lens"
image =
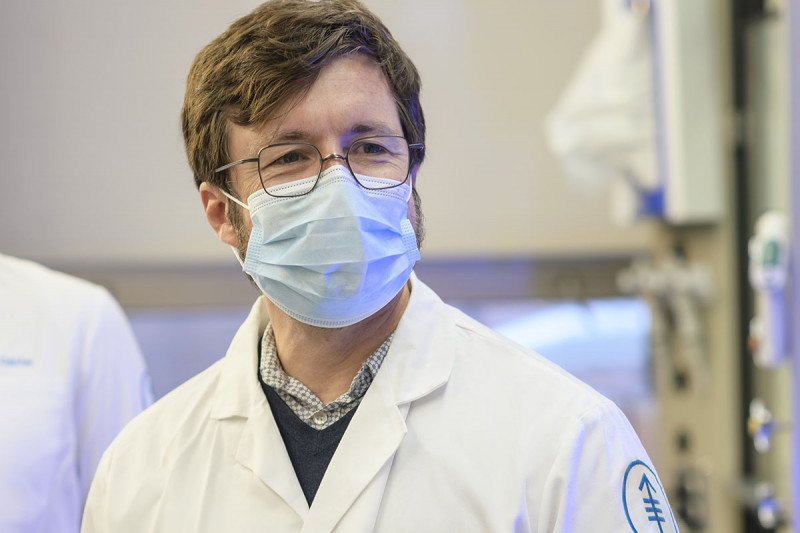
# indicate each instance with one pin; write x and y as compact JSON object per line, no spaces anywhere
{"x":376,"y":157}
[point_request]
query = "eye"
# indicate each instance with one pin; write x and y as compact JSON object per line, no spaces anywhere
{"x":371,"y":148}
{"x":280,"y":157}
{"x":288,"y":158}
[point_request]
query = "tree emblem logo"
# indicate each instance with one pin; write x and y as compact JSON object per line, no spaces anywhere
{"x":644,"y":501}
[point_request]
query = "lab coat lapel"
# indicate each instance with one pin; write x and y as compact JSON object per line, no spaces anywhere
{"x":262,"y":451}
{"x":419,"y":362}
{"x":239,"y":395}
{"x":366,"y":450}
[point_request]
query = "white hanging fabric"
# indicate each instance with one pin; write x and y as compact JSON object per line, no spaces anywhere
{"x":603,"y":126}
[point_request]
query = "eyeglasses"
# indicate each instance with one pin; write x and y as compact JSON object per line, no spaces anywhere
{"x":382,"y":156}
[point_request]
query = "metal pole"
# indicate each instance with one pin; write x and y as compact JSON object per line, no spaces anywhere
{"x":794,"y":216}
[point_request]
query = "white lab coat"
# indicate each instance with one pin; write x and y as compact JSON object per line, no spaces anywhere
{"x":461,"y":430}
{"x":71,"y":376}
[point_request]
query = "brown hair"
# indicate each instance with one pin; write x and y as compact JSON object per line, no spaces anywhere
{"x":267,"y":57}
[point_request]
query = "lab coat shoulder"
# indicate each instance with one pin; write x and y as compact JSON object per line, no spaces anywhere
{"x":112,"y":381}
{"x":601,"y":479}
{"x":48,"y":293}
{"x":230,"y":385}
{"x":178,"y":414}
{"x":75,"y":311}
{"x":142,"y":476}
{"x":73,"y":367}
{"x":140,"y":461}
{"x":510,"y":422}
{"x":108,"y":376}
{"x":513,"y":371}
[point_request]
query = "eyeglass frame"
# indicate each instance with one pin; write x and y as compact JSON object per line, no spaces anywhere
{"x":322,"y":160}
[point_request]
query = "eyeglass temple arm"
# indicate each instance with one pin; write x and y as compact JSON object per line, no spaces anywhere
{"x":234,"y":163}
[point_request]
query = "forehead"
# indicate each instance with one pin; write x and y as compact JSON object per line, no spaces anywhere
{"x":350,"y":97}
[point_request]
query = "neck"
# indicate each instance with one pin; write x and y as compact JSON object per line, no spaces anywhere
{"x":327,"y":359}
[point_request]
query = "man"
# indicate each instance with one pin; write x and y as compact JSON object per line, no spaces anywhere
{"x":352,"y":399}
{"x":71,"y":376}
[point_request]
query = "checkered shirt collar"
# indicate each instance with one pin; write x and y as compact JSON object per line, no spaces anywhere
{"x":301,"y":400}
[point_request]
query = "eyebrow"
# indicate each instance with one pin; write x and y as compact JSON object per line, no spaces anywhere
{"x":375,"y":128}
{"x":289,"y":135}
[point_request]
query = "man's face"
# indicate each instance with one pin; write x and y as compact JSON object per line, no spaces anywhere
{"x":349,"y":99}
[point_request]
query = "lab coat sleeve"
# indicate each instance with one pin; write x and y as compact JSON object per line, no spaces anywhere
{"x":113,"y":384}
{"x":602,"y":480}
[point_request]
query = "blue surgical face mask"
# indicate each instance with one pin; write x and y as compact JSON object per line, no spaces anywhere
{"x":335,"y":256}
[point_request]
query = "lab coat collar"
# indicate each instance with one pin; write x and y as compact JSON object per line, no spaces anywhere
{"x":418,"y":362}
{"x":239,"y":390}
{"x":239,"y":394}
{"x":422,"y":352}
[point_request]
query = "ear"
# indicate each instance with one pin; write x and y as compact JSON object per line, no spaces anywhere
{"x":215,"y":205}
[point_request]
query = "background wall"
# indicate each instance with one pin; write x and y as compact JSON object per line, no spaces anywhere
{"x":93,"y":165}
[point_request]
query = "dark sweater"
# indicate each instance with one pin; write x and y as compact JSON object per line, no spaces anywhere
{"x":310,"y":450}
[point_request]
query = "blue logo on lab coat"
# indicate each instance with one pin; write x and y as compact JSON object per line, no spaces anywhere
{"x":15,"y":361}
{"x":644,"y":501}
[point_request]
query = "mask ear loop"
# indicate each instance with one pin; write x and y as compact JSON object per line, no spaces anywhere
{"x":233,"y":248}
{"x":234,"y":199}
{"x":236,"y":255}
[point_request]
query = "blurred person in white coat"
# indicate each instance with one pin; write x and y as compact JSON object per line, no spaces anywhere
{"x":71,"y":376}
{"x":352,"y":399}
